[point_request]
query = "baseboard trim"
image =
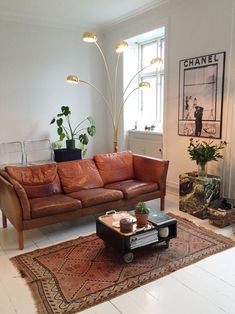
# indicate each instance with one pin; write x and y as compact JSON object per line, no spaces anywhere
{"x":172,"y":188}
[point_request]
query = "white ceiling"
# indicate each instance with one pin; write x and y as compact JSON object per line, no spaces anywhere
{"x":74,"y":13}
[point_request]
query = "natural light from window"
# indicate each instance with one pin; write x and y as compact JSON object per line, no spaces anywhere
{"x":144,"y":111}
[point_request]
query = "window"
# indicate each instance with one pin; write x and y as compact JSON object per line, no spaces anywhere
{"x":145,"y":108}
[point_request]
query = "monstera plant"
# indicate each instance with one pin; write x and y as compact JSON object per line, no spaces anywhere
{"x":80,"y":132}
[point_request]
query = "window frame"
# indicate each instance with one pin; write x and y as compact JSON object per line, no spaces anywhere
{"x":158,"y":74}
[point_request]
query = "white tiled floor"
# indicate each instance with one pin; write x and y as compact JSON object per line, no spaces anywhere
{"x":206,"y":287}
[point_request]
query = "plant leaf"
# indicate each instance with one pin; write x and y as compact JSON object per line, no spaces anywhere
{"x":84,"y":153}
{"x":83,"y":138}
{"x":91,"y":120}
{"x":52,"y":121}
{"x":91,"y":130}
{"x":59,"y":131}
{"x":59,"y":121}
{"x":65,"y":110}
{"x":62,"y":136}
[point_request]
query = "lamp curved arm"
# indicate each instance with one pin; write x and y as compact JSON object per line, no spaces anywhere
{"x":147,"y":66}
{"x":107,"y":70}
{"x":104,"y":98}
{"x":123,"y":103}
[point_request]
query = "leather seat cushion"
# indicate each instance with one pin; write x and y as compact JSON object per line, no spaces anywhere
{"x":115,"y":167}
{"x":38,"y":181}
{"x":52,"y":205}
{"x":133,"y":188}
{"x":79,"y":174}
{"x":97,"y":196}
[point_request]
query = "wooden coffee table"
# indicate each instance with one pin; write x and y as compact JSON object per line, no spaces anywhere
{"x":107,"y":229}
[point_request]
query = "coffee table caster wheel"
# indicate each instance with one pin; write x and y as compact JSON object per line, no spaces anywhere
{"x":128,"y":257}
{"x":166,"y":246}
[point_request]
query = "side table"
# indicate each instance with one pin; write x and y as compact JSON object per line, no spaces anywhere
{"x":65,"y":154}
{"x":196,"y":194}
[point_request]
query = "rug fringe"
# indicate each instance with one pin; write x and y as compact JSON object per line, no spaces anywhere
{"x":204,"y":229}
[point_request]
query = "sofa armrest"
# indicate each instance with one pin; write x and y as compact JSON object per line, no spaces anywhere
{"x":12,"y":196}
{"x":151,"y":170}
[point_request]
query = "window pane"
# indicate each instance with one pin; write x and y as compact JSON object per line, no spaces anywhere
{"x":149,"y":109}
{"x":149,"y":52}
{"x":145,"y":108}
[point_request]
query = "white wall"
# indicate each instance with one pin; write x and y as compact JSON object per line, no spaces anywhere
{"x":34,"y":64}
{"x":194,"y":28}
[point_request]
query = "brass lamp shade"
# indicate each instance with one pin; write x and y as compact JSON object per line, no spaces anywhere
{"x":121,"y":46}
{"x":143,"y":85}
{"x":72,"y":79}
{"x":156,"y":61}
{"x":89,"y":37}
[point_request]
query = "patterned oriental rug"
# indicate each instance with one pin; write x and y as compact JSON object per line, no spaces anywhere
{"x":77,"y":274}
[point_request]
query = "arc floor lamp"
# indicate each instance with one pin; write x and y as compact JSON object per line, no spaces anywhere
{"x":114,"y":106}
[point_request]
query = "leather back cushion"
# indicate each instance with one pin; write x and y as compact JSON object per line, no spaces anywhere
{"x":38,"y":181}
{"x":79,"y":174}
{"x":115,"y":167}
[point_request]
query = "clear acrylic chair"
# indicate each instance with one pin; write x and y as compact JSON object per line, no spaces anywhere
{"x":11,"y":153}
{"x":38,"y":152}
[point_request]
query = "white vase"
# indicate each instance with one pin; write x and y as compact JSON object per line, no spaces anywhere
{"x":202,"y":170}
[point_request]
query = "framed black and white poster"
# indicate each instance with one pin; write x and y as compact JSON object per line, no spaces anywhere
{"x":201,"y":95}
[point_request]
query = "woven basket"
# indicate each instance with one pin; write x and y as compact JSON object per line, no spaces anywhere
{"x":221,"y":217}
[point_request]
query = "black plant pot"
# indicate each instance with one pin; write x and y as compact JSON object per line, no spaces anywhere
{"x":70,"y":144}
{"x":64,"y":154}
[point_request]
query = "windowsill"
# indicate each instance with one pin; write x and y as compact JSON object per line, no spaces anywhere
{"x":145,"y":132}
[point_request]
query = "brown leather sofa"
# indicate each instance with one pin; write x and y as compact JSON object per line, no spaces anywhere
{"x":36,"y":196}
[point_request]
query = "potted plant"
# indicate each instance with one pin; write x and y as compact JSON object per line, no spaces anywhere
{"x":141,"y":214}
{"x":203,"y":152}
{"x":65,"y":129}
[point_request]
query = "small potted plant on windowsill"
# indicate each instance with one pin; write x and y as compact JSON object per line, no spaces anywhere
{"x":141,"y":214}
{"x":77,"y":133}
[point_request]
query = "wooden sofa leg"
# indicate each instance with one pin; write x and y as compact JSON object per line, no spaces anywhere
{"x":4,"y":221}
{"x":20,"y":235}
{"x":162,"y":203}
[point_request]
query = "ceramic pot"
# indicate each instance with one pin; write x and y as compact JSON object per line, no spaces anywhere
{"x":142,"y":220}
{"x":70,"y":144}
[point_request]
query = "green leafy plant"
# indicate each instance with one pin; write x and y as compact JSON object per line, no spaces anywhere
{"x":150,"y":128}
{"x":141,"y":208}
{"x":57,"y":144}
{"x":65,"y":129}
{"x":204,"y":151}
